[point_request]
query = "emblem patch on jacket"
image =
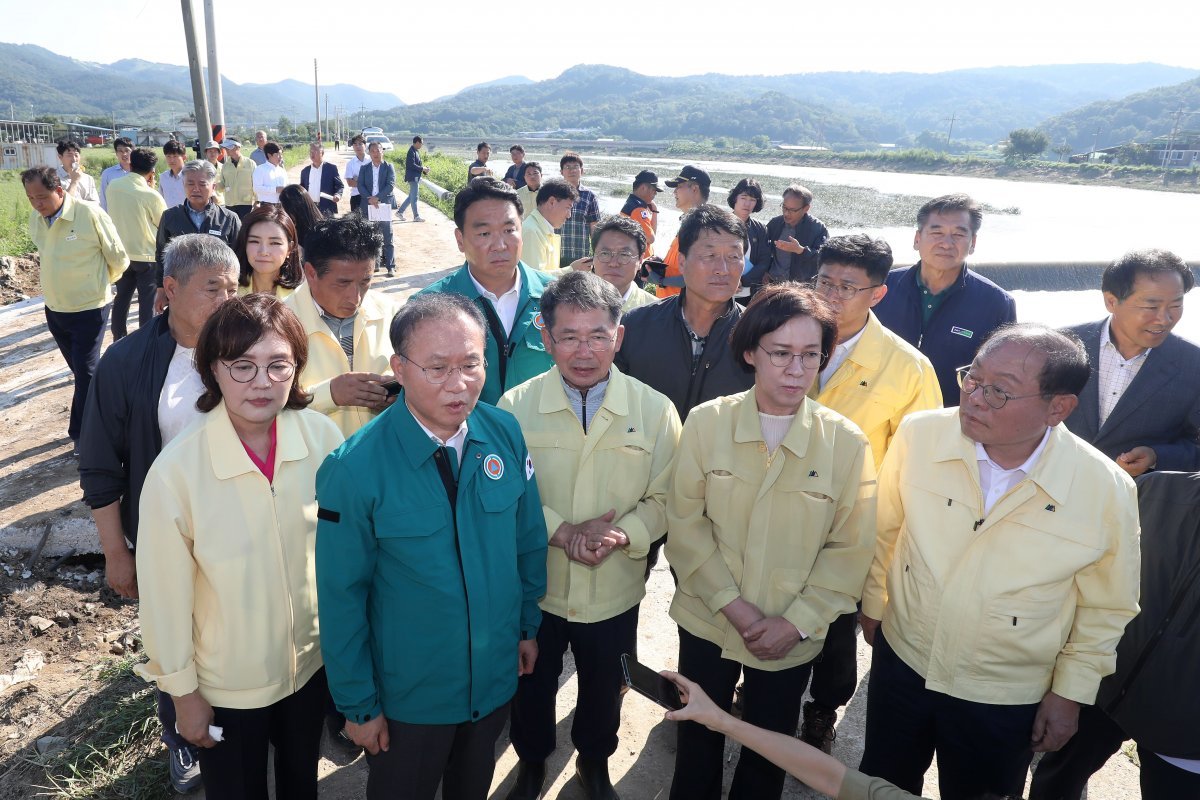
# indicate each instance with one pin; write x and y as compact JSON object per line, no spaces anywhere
{"x":963,"y":332}
{"x":493,"y":467}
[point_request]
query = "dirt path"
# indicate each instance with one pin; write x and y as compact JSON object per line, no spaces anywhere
{"x":39,"y":487}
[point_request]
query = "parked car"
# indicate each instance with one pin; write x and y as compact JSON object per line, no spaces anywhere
{"x":384,"y":142}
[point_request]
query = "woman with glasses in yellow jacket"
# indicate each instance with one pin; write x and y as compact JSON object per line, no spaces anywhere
{"x":225,"y":558}
{"x":771,"y":530}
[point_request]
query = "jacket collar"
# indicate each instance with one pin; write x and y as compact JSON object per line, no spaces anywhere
{"x":554,"y":398}
{"x":868,"y":352}
{"x":228,"y":455}
{"x":415,"y":444}
{"x":372,"y":308}
{"x":1052,"y":472}
{"x":730,"y":309}
{"x":748,"y":427}
{"x":915,"y":272}
{"x":531,"y":286}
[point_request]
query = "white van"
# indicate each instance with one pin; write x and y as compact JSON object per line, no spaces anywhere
{"x":384,"y":142}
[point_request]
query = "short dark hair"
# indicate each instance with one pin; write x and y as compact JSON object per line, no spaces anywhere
{"x":122,"y":141}
{"x":418,"y":140}
{"x":234,"y":328}
{"x":299,"y":205}
{"x":874,"y":256}
{"x":1066,"y":370}
{"x":951,"y":203}
{"x":174,"y":148}
{"x":271,"y":148}
{"x":290,"y":274}
{"x":559,"y":188}
{"x":349,"y":238}
{"x":570,"y":157}
{"x":516,"y":148}
{"x":803,"y":192}
{"x":707,"y":218}
{"x":480,"y":146}
{"x":357,"y":138}
{"x":746,"y":186}
{"x":533,"y":165}
{"x":47,"y":176}
{"x":483,"y":188}
{"x":623,"y":225}
{"x":67,"y":144}
{"x":142,"y":161}
{"x":1119,"y":276}
{"x":429,"y":306}
{"x":772,"y":308}
{"x":583,"y":291}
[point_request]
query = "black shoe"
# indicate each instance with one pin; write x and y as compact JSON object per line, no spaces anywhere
{"x":531,"y":776}
{"x":817,"y":727}
{"x":336,"y":725}
{"x":184,"y":769}
{"x":593,"y":777}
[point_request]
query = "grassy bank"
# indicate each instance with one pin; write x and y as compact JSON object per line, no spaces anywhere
{"x":14,"y":215}
{"x":446,"y":171}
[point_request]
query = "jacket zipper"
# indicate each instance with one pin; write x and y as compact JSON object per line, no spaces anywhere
{"x":287,"y":590}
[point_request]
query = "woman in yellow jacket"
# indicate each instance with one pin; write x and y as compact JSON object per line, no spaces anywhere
{"x":269,"y":253}
{"x":771,"y":529}
{"x":225,"y":559}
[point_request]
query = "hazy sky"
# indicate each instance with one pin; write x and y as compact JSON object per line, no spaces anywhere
{"x":420,"y":51}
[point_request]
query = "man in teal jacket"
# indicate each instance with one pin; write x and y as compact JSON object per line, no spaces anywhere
{"x":431,"y":560}
{"x":487,"y":220}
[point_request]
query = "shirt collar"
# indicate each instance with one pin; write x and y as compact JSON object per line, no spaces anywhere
{"x":982,"y":456}
{"x":1106,"y":342}
{"x":456,"y":441}
{"x":516,"y":287}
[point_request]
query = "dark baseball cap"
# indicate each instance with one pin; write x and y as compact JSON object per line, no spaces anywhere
{"x":229,"y":144}
{"x":690,"y":173}
{"x":646,"y":176}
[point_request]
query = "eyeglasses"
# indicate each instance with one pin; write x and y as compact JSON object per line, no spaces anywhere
{"x":597,"y":344}
{"x":993,"y":396}
{"x":624,"y":258}
{"x":793,"y":209}
{"x":471,"y":371}
{"x":783,"y":358}
{"x":841,"y":291}
{"x":244,"y":371}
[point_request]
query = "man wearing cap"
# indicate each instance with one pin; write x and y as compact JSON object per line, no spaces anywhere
{"x":640,"y":207}
{"x":322,"y":181}
{"x":691,"y":190}
{"x":237,"y":175}
{"x":258,"y":156}
{"x":212,"y":154}
{"x":795,"y":236}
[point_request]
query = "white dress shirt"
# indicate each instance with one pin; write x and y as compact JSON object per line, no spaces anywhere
{"x":505,"y":304}
{"x":314,"y":182}
{"x":177,"y":401}
{"x":455,"y":442}
{"x":375,"y":179}
{"x":351,"y":172}
{"x":995,"y":480}
{"x":1116,"y":372}
{"x":268,"y":179}
{"x":839,"y":355}
{"x":171,"y":188}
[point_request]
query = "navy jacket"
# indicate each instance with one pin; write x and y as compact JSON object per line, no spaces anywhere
{"x":974,"y":309}
{"x":175,"y":221}
{"x":331,"y":183}
{"x":1160,"y":409}
{"x":413,"y":168}
{"x":120,"y":437}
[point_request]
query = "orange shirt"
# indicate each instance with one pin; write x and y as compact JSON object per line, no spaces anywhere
{"x":645,"y":217}
{"x":672,"y":262}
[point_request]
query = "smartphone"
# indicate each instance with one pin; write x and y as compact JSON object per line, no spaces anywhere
{"x":392,"y":387}
{"x":649,"y":683}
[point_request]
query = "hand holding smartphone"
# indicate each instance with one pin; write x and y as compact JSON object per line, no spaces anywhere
{"x":650,"y":684}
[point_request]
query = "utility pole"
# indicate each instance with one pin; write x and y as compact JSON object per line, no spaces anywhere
{"x":327,"y":116}
{"x":317,"y":99}
{"x":953,"y":118}
{"x":199,"y":96}
{"x":1179,"y":115}
{"x":214,"y":74}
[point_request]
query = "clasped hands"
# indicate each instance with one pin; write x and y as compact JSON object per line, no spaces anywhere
{"x":767,"y":638}
{"x":590,"y":541}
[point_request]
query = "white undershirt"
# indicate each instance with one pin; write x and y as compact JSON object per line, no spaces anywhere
{"x":995,"y":480}
{"x":505,"y":304}
{"x":314,"y":182}
{"x":352,"y":168}
{"x":839,"y":355}
{"x":456,"y":442}
{"x":375,"y":178}
{"x":177,"y":401}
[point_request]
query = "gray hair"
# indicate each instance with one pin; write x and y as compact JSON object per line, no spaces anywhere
{"x":210,"y":172}
{"x":1066,"y":369}
{"x":187,"y":253}
{"x":432,"y":306}
{"x":583,"y":291}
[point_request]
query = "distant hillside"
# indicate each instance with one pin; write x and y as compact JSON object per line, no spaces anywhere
{"x":1139,"y":116}
{"x":507,"y":80}
{"x":149,"y":93}
{"x":830,"y":108}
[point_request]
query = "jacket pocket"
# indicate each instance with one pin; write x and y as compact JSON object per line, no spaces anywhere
{"x":1018,"y":640}
{"x":499,"y":496}
{"x":914,"y":599}
{"x":625,"y":469}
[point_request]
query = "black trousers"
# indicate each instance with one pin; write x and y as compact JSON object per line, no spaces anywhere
{"x":139,"y":275}
{"x":597,"y":647}
{"x":354,"y":203}
{"x":79,"y":335}
{"x":770,"y":700}
{"x":236,"y":769}
{"x":835,"y":671}
{"x":980,"y":747}
{"x":166,"y":716}
{"x":462,"y":758}
{"x":1064,"y":775}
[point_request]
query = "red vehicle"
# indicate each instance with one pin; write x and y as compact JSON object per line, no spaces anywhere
{"x":94,"y":139}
